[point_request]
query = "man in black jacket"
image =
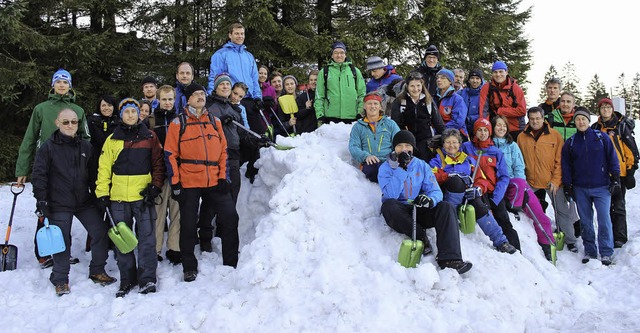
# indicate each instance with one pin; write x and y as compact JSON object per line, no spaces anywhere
{"x":61,"y":188}
{"x":429,"y":67}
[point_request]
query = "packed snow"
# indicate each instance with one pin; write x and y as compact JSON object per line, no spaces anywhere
{"x":317,"y":256}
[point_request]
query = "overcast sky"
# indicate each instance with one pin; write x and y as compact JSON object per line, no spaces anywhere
{"x":598,"y":37}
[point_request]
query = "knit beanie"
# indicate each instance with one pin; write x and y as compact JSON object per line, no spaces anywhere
{"x":149,"y":79}
{"x":604,"y":101}
{"x":404,"y":136}
{"x":432,"y":50}
{"x":482,"y":122}
{"x":447,"y":73}
{"x":222,"y":77}
{"x":373,"y":96}
{"x":499,"y":65}
{"x":374,"y":62}
{"x":582,"y":111}
{"x":128,"y":103}
{"x":476,"y":72}
{"x":61,"y":74}
{"x":290,"y":77}
{"x":338,"y":45}
{"x":190,"y":89}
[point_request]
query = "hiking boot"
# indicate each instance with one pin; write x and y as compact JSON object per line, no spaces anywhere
{"x":160,"y":258}
{"x":124,"y":290}
{"x":606,"y":260}
{"x":45,"y":262}
{"x":618,"y":244}
{"x":150,"y":287}
{"x":428,"y":249}
{"x":507,"y":248}
{"x":190,"y":276}
{"x":103,"y":279}
{"x":572,"y":248}
{"x":175,"y":257}
{"x":62,"y":289}
{"x":586,"y":258}
{"x":546,"y":249}
{"x":73,"y":260}
{"x":205,"y":246}
{"x":460,"y":266}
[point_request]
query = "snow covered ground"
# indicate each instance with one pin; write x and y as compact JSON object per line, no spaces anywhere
{"x":316,"y":256}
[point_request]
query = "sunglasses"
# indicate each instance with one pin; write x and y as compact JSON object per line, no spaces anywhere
{"x":73,"y":122}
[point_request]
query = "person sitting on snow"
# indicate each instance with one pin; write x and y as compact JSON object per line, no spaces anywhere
{"x":404,"y":177}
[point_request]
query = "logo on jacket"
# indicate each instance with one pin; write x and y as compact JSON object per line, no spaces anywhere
{"x":489,"y":160}
{"x":447,"y":110}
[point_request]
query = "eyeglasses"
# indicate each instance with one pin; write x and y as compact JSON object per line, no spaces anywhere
{"x":73,"y":122}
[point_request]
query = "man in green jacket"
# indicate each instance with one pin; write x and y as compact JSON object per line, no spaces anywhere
{"x":340,"y":90}
{"x":41,"y":127}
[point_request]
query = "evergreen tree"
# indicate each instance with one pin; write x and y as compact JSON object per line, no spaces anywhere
{"x":621,"y":90}
{"x":551,"y":73}
{"x":595,"y":91}
{"x":634,"y":102}
{"x":571,"y":82}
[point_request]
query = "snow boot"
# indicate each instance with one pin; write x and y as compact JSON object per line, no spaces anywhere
{"x":606,"y":260}
{"x":150,"y":287}
{"x":124,"y":290}
{"x":62,"y":289}
{"x":103,"y":279}
{"x":572,"y":247}
{"x":460,"y":266}
{"x":586,"y":258}
{"x":190,"y":276}
{"x":45,"y":262}
{"x":507,"y":248}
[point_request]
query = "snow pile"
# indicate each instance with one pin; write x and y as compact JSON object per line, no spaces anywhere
{"x":317,"y":256}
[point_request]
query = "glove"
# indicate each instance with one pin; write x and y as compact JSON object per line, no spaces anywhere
{"x":149,"y":194}
{"x":568,"y":192}
{"x":614,"y":185}
{"x":176,"y":191}
{"x":393,"y":160}
{"x":472,"y":193}
{"x":404,"y":158}
{"x":226,"y":119}
{"x":422,"y":200}
{"x":102,"y":203}
{"x":257,"y":102}
{"x":264,"y":140}
{"x":222,"y":187}
{"x":42,"y":208}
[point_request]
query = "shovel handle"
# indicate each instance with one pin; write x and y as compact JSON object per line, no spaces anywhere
{"x":19,"y":187}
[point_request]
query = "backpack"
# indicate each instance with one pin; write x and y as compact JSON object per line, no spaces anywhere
{"x":493,"y":90}
{"x":183,"y":126}
{"x":325,"y":71}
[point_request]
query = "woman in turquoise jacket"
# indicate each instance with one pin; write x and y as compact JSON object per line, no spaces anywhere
{"x":370,"y":140}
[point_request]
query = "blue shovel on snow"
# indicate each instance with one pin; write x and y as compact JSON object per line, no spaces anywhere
{"x":50,"y":240}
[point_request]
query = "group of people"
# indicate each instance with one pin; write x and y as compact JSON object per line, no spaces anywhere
{"x":171,"y":160}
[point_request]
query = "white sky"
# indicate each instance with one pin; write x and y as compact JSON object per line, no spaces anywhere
{"x":598,"y":37}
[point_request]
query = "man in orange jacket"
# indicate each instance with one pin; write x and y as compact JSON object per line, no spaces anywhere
{"x":196,"y":155}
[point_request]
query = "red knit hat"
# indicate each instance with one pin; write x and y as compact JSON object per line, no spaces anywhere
{"x":373,"y":96}
{"x":481,"y":122}
{"x":604,"y":101}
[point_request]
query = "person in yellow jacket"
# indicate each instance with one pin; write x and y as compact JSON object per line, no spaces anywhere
{"x":196,"y":156}
{"x":615,"y":124}
{"x":131,"y":173}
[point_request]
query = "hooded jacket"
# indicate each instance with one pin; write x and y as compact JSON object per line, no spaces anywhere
{"x":388,"y":77}
{"x":589,"y":160}
{"x":453,"y":110}
{"x":542,"y":156}
{"x":220,"y":106}
{"x":556,"y":121}
{"x":505,"y":99}
{"x":344,"y":96}
{"x":443,"y":164}
{"x":241,"y":66}
{"x":131,"y":159}
{"x":161,"y":124}
{"x":471,"y":98}
{"x":60,"y":172}
{"x":512,"y":157}
{"x":403,"y":185}
{"x":419,"y":119}
{"x":42,"y":124}
{"x":429,"y":76}
{"x":493,"y":176}
{"x":368,"y":138}
{"x":622,"y":138}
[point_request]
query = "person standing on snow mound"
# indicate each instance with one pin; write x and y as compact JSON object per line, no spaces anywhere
{"x":42,"y":125}
{"x":196,"y":163}
{"x":404,"y":177}
{"x":590,"y":176}
{"x":429,"y":68}
{"x":340,"y":89}
{"x":381,"y":74}
{"x":61,"y":188}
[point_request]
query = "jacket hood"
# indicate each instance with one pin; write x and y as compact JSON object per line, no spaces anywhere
{"x":234,"y":46}
{"x":70,"y":97}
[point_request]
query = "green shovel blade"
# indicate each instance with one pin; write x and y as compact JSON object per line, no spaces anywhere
{"x":559,"y":237}
{"x":467,"y":217}
{"x":123,"y":237}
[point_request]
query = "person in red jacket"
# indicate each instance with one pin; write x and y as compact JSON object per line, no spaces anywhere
{"x":196,"y":155}
{"x":503,"y":96}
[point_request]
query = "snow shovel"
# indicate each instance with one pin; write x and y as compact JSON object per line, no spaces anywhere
{"x":411,"y":249}
{"x":10,"y":252}
{"x":466,"y":212}
{"x":280,"y":122}
{"x":552,"y":244}
{"x":121,"y":235}
{"x":50,"y":239}
{"x":289,"y":106}
{"x":272,"y":144}
{"x":558,"y":235}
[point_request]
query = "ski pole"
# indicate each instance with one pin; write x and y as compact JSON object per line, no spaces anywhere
{"x":266,"y":122}
{"x":279,"y":121}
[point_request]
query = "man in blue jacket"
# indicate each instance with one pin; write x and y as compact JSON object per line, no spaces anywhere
{"x":234,"y":59}
{"x":590,"y":175}
{"x":404,"y":177}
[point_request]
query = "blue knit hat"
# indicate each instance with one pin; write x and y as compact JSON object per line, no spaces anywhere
{"x":447,"y":73}
{"x":499,"y":65}
{"x":61,"y":74}
{"x":128,"y":103}
{"x":338,"y":45}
